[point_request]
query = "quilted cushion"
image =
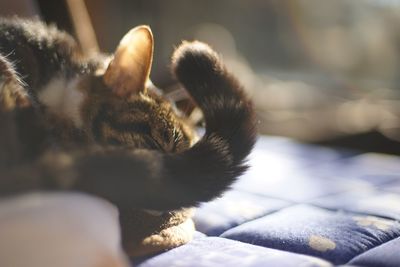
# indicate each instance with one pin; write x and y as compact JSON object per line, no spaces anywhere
{"x":331,"y":235}
{"x":216,"y":217}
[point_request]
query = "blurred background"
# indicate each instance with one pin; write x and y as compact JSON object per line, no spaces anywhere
{"x":319,"y":71}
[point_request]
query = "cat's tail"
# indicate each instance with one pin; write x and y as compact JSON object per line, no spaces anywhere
{"x":228,"y":112}
{"x":203,"y":172}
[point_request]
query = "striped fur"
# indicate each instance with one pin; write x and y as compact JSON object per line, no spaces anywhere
{"x":133,"y":149}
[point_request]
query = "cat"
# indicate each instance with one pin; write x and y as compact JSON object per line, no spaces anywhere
{"x":95,"y":125}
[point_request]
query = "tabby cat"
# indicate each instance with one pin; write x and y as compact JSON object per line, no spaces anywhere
{"x":96,"y":125}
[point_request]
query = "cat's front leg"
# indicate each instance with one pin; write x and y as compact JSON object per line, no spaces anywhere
{"x":19,"y":118}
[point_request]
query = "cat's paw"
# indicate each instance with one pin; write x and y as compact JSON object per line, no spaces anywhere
{"x":13,"y":95}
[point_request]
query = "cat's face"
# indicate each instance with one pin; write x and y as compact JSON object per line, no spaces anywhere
{"x":142,"y":120}
{"x":120,"y":110}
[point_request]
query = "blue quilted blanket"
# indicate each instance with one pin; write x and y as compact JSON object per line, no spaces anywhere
{"x":300,"y":205}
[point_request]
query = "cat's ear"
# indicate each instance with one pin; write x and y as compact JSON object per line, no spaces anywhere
{"x":129,"y":70}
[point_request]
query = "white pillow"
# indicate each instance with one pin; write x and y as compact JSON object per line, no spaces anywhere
{"x":59,"y":229}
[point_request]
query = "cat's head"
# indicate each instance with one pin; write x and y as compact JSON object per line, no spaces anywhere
{"x":120,"y":110}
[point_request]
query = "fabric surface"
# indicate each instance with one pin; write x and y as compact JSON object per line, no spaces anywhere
{"x":299,"y":205}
